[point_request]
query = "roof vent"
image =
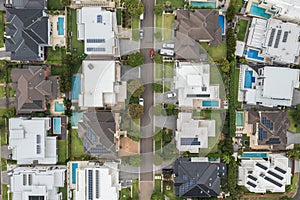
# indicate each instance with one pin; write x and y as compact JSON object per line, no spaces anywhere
{"x":91,"y":66}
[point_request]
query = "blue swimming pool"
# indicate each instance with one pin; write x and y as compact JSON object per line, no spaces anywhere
{"x":60,"y":26}
{"x":210,"y":103}
{"x":56,"y":125}
{"x":261,"y":12}
{"x":249,"y":79}
{"x":58,"y":107}
{"x":221,"y":22}
{"x":203,"y":4}
{"x":76,"y":87}
{"x":76,"y":117}
{"x":254,"y":55}
{"x":254,"y":155}
{"x":239,"y":119}
{"x":74,"y":167}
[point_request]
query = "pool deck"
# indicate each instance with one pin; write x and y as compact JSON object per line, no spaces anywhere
{"x":52,"y":107}
{"x":69,"y":166}
{"x":55,"y":39}
{"x":249,"y":7}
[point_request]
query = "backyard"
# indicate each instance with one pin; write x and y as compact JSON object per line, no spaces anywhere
{"x":174,"y":3}
{"x":57,"y":70}
{"x":62,"y":151}
{"x":55,"y":56}
{"x":54,"y":5}
{"x":215,"y":52}
{"x":294,"y":127}
{"x":242,"y":28}
{"x":76,"y":46}
{"x":168,"y":20}
{"x":77,"y":149}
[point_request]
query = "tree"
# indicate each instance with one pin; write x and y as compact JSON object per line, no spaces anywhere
{"x":157,"y":196}
{"x":158,"y":58}
{"x":66,"y":2}
{"x":134,"y":135}
{"x":286,"y":198}
{"x":226,"y":159}
{"x":224,"y":64}
{"x":135,"y":87}
{"x":230,"y":14}
{"x":136,"y":59}
{"x":157,"y":87}
{"x":134,"y":7}
{"x":158,"y":136}
{"x":231,"y":43}
{"x":135,"y":160}
{"x":158,"y":9}
{"x":136,"y":111}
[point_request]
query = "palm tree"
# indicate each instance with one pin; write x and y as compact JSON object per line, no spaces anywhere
{"x":226,"y":159}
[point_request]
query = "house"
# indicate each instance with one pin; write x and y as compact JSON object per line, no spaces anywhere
{"x":261,"y":172}
{"x":200,"y":24}
{"x":273,"y":40}
{"x":29,"y":141}
{"x":269,"y":86}
{"x":196,"y":177}
{"x":39,"y":182}
{"x":101,"y":84}
{"x":27,"y":30}
{"x":192,"y":81}
{"x":102,"y":3}
{"x":33,"y":88}
{"x":91,"y":180}
{"x":97,"y":130}
{"x":193,"y":134}
{"x":97,"y":27}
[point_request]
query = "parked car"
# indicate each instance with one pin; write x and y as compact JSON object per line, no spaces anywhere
{"x":152,"y":52}
{"x":168,"y":45}
{"x":141,"y":101}
{"x":166,"y":52}
{"x":171,"y":95}
{"x":141,"y":34}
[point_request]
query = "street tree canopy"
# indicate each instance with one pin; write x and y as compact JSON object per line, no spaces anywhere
{"x":135,"y":87}
{"x":134,"y":7}
{"x":136,"y":59}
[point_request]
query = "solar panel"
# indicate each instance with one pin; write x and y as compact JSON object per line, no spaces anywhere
{"x":99,"y":149}
{"x":271,"y":37}
{"x":272,"y":181}
{"x":24,"y":179}
{"x":99,"y":18}
{"x":38,"y":149}
{"x":251,"y":184}
{"x":252,"y":177}
{"x":29,"y":179}
{"x":97,"y":184}
{"x":95,"y":49}
{"x":277,"y":38}
{"x":280,"y":170}
{"x":95,"y":40}
{"x":273,"y":141}
{"x":198,"y":95}
{"x":189,"y":141}
{"x":38,"y":139}
{"x":91,"y":135}
{"x":261,"y":166}
{"x":275,"y":175}
{"x":90,"y":185}
{"x":285,"y":36}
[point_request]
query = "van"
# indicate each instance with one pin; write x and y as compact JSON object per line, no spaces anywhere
{"x":166,"y":52}
{"x":168,"y":45}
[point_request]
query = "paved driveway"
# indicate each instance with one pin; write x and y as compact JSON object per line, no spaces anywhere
{"x":165,"y":121}
{"x":5,"y":152}
{"x":129,"y":73}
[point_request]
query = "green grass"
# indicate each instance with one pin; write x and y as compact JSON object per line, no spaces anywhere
{"x":11,"y":91}
{"x":1,"y":29}
{"x":170,"y":193}
{"x":135,"y":189}
{"x":158,"y":71}
{"x":3,"y":164}
{"x":167,"y":26}
{"x":125,"y":194}
{"x":294,"y":184}
{"x":215,"y":52}
{"x":3,"y":137}
{"x":236,"y":88}
{"x":77,"y":149}
{"x":55,"y":56}
{"x":167,"y":86}
{"x":64,"y":191}
{"x":2,"y":91}
{"x":77,"y":47}
{"x":2,"y":74}
{"x":4,"y":192}
{"x":169,"y":70}
{"x":62,"y":151}
{"x":246,"y":138}
{"x":158,"y":30}
{"x":242,"y":29}
{"x":119,"y":16}
{"x":135,"y":28}
{"x":157,"y":145}
{"x":54,"y":5}
{"x":174,"y":3}
{"x":157,"y":185}
{"x":293,"y":126}
{"x":57,"y":70}
{"x":216,"y":78}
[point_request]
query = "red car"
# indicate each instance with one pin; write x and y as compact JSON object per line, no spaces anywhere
{"x":152,"y":52}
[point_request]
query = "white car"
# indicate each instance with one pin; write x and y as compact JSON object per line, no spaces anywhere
{"x":171,"y":95}
{"x":141,"y":101}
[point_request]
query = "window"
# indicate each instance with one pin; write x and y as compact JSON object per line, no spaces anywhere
{"x":90,"y":185}
{"x":38,"y":139}
{"x":38,"y":149}
{"x":99,"y":18}
{"x":95,"y":40}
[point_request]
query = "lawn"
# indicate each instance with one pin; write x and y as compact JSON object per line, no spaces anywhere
{"x":54,"y":5}
{"x":135,"y":189}
{"x":11,"y":91}
{"x":2,"y":91}
{"x":125,"y":194}
{"x":168,"y":20}
{"x":174,"y":3}
{"x":246,"y":138}
{"x":158,"y":29}
{"x":135,"y":28}
{"x":170,"y":193}
{"x":158,"y":71}
{"x":3,"y":164}
{"x":64,"y":191}
{"x":77,"y":149}
{"x":57,"y":70}
{"x":169,"y":70}
{"x":62,"y":151}
{"x":4,"y":191}
{"x":293,"y":126}
{"x":242,"y":29}
{"x":167,"y":86}
{"x":215,"y":52}
{"x":75,"y":45}
{"x":294,"y":184}
{"x":216,"y":78}
{"x":2,"y":74}
{"x":2,"y":29}
{"x":55,"y":56}
{"x":119,"y":16}
{"x":157,"y":184}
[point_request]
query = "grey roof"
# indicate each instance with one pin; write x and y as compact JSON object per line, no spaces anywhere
{"x":33,"y":88}
{"x":97,"y":132}
{"x":27,"y":30}
{"x":29,"y":4}
{"x":196,"y":179}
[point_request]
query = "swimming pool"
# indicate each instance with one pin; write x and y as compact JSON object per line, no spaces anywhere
{"x":221,"y":22}
{"x":258,"y":11}
{"x":249,"y":79}
{"x":56,"y":125}
{"x":58,"y":107}
{"x":254,"y":155}
{"x":252,"y":53}
{"x":239,"y":119}
{"x":76,"y":116}
{"x":60,"y":26}
{"x":203,"y":4}
{"x":210,"y":103}
{"x":76,"y":87}
{"x":74,"y":167}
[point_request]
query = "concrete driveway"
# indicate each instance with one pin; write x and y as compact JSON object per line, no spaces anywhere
{"x":129,"y":73}
{"x":165,"y":121}
{"x":5,"y":152}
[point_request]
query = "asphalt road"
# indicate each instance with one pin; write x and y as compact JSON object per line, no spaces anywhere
{"x":146,"y":143}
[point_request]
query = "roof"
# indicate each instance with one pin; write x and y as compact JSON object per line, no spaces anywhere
{"x":196,"y":179}
{"x":199,"y":24}
{"x":27,"y":31}
{"x":33,"y":131}
{"x":33,"y":88}
{"x":97,"y":132}
{"x":37,"y":4}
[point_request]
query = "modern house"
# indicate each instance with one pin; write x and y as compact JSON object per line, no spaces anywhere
{"x":36,"y":183}
{"x":30,"y":143}
{"x":193,"y":134}
{"x":269,"y":86}
{"x":98,"y":180}
{"x":97,"y":27}
{"x":261,"y":172}
{"x":192,"y":81}
{"x":197,"y":177}
{"x":273,"y":40}
{"x":101,"y":84}
{"x":33,"y":88}
{"x":97,"y":130}
{"x":101,"y":3}
{"x":27,"y":30}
